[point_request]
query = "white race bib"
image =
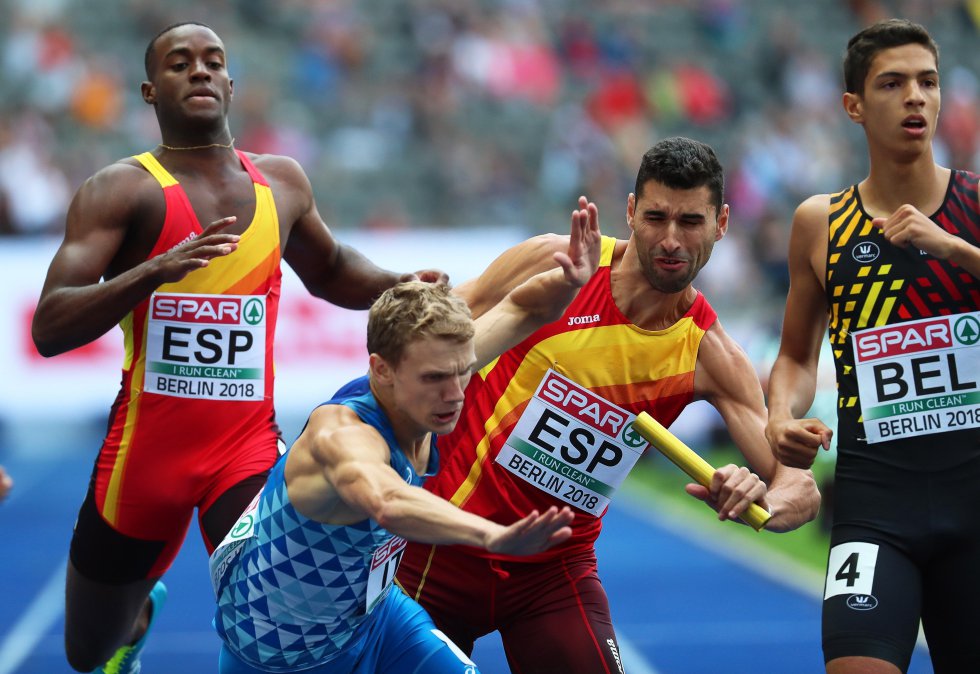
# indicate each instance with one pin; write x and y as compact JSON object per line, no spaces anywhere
{"x":206,"y":346}
{"x":572,"y":444}
{"x":384,"y":564}
{"x":919,"y":377}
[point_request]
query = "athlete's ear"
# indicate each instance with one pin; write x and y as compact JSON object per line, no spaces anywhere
{"x":722,"y":222}
{"x":854,"y":107}
{"x":149,"y":93}
{"x":382,"y":372}
{"x":231,"y":89}
{"x":630,"y":209}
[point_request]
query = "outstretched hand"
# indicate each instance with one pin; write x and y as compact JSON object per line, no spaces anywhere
{"x":534,"y":533}
{"x":198,"y":252}
{"x":584,"y":245}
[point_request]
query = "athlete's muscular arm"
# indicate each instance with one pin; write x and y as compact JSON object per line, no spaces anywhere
{"x":725,"y":378}
{"x":512,"y":268}
{"x":329,"y":269}
{"x":910,"y":227}
{"x":545,"y":296}
{"x":75,"y":308}
{"x":793,"y":382}
{"x":348,"y":477}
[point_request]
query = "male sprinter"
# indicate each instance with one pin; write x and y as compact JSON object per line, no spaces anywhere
{"x":548,"y":423}
{"x":893,"y":265}
{"x":304,"y":582}
{"x":194,"y":424}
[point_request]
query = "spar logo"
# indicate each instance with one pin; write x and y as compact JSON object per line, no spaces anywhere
{"x":967,"y":330}
{"x":394,"y":546}
{"x":908,"y":338}
{"x":580,"y":403}
{"x":201,"y":309}
{"x":865,"y":252}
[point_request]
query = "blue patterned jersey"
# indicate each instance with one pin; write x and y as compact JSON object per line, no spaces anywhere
{"x":292,"y":592}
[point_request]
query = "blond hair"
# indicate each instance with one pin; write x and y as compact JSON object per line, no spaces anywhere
{"x":414,"y":310}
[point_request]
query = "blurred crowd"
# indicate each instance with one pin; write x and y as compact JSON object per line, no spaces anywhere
{"x":458,"y":113}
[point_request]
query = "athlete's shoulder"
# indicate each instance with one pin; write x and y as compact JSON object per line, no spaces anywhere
{"x":721,"y":362}
{"x":717,"y":342}
{"x":811,"y":219}
{"x":814,"y":207}
{"x":125,"y":173}
{"x":119,"y":189}
{"x":966,"y":181}
{"x":702,"y":313}
{"x":278,"y":167}
{"x":333,"y":416}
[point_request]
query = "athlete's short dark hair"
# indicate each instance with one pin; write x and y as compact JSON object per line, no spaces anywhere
{"x":863,"y":47}
{"x":149,"y":47}
{"x":683,"y":164}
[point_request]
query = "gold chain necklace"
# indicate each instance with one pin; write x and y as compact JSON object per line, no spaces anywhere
{"x":226,"y":146}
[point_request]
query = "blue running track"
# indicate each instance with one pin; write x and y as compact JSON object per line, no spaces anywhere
{"x":682,"y":603}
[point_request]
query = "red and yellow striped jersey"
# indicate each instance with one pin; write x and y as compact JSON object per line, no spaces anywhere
{"x":595,"y":346}
{"x":197,"y":377}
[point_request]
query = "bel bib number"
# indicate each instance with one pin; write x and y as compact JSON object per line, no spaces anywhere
{"x":920,"y":377}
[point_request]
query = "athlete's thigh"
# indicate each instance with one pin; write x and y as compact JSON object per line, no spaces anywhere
{"x":103,"y":553}
{"x":408,"y":642}
{"x":455,"y":588}
{"x":872,"y":602}
{"x":950,"y":617}
{"x":568,"y":627}
{"x":951,"y":591}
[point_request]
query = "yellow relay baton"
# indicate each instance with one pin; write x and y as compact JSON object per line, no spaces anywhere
{"x":687,"y":460}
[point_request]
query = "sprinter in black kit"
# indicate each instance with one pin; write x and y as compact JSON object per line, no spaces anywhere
{"x":892,"y":264}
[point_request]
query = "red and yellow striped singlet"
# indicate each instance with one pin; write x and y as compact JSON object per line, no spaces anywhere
{"x":593,"y":346}
{"x":194,"y":414}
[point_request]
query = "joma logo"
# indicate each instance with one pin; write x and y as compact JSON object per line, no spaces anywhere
{"x":583,"y":320}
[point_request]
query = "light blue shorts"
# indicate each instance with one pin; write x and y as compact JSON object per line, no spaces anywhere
{"x":400,"y":638}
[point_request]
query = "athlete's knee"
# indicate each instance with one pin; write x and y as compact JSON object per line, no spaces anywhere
{"x":861,"y":665}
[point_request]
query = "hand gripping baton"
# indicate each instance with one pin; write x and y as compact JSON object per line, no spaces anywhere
{"x":687,"y":460}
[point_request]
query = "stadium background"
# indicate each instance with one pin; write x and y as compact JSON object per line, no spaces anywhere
{"x":436,"y":133}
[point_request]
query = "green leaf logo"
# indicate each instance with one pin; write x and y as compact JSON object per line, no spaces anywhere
{"x":254,"y":312}
{"x":967,"y":330}
{"x":632,"y":438}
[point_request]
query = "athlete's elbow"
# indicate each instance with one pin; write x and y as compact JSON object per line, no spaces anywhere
{"x":386,"y":508}
{"x":387,"y":514}
{"x":44,"y":342}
